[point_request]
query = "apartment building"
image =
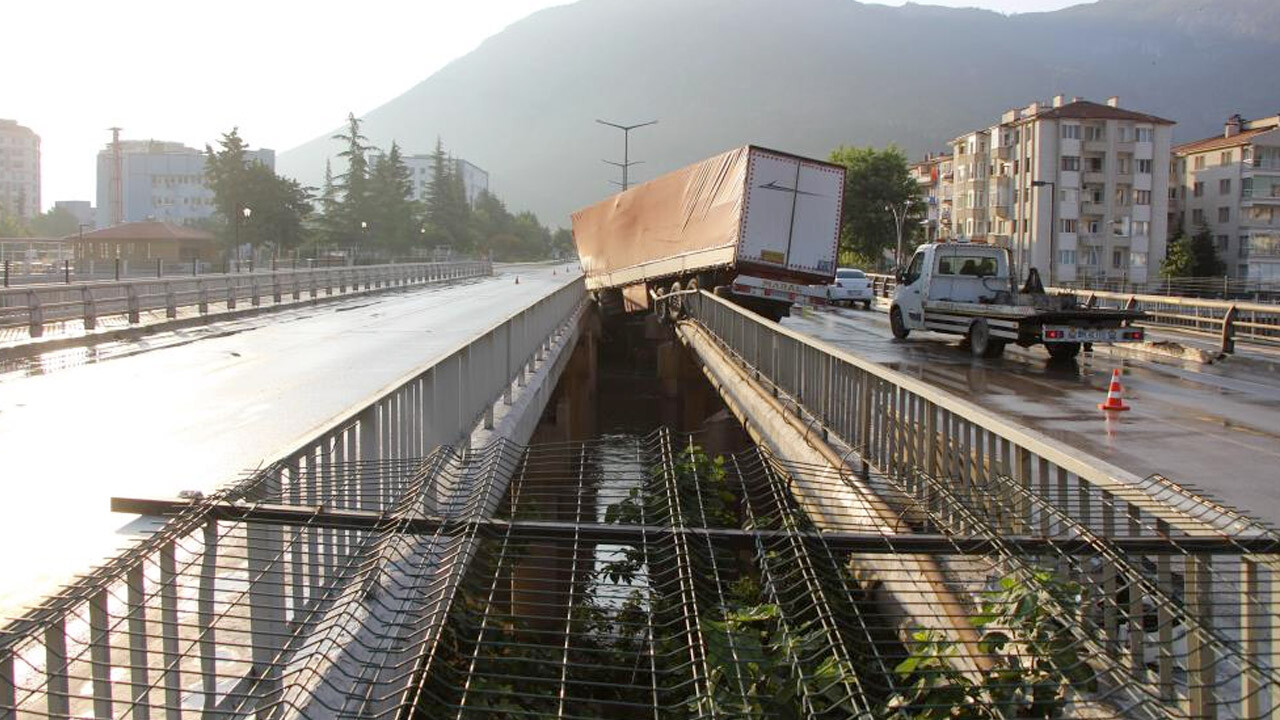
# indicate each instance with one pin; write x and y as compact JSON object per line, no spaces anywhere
{"x":19,"y":170}
{"x":1070,"y":188}
{"x":934,"y":176}
{"x":422,"y":170}
{"x":1230,"y":184}
{"x":145,"y":180}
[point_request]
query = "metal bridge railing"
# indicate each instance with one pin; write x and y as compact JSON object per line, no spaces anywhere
{"x":199,"y":618}
{"x":1023,"y":482}
{"x":33,"y":307}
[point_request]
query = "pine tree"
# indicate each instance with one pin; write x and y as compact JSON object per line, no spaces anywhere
{"x":353,"y":212}
{"x":394,"y":212}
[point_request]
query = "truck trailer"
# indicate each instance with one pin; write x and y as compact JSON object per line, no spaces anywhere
{"x":966,"y":289}
{"x":754,"y":225}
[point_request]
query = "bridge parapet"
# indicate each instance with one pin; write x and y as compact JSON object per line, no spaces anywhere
{"x":998,"y":479}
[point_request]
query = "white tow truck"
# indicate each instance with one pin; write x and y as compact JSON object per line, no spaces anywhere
{"x":966,"y":289}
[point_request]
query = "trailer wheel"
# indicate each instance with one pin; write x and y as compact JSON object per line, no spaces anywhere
{"x":674,"y":307}
{"x":899,"y":328}
{"x":981,"y":344}
{"x":1062,"y":351}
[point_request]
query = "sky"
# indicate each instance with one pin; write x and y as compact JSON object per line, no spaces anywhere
{"x":282,"y":71}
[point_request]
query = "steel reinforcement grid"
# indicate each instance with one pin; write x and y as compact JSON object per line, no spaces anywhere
{"x":641,"y":577}
{"x":33,"y":307}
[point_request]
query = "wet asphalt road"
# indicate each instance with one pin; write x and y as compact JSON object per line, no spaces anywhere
{"x":1214,"y":427}
{"x":193,"y":409}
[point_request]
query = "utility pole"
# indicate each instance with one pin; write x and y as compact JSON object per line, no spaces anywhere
{"x":115,"y":198}
{"x":626,"y":146}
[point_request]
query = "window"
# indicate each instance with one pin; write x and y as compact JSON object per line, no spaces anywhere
{"x":1122,"y":164}
{"x":1090,"y":256}
{"x":1094,"y":227}
{"x":1070,"y":163}
{"x":1141,"y":227}
{"x":1066,"y":257}
{"x":1198,"y":164}
{"x":1243,"y":250}
{"x":1095,"y":132}
{"x":1246,"y":187}
{"x":1223,"y":242}
{"x":1224,"y":186}
{"x":1068,"y":195}
{"x":1198,"y":189}
{"x":1094,"y":164}
{"x":1069,"y":225}
{"x":975,"y":265}
{"x":1122,"y":195}
{"x":1138,"y":259}
{"x":1125,"y":133}
{"x":1224,"y":214}
{"x":1144,"y":167}
{"x":1118,"y":257}
{"x":1144,"y":134}
{"x":1070,"y":132}
{"x":1246,"y":155}
{"x":1242,"y":271}
{"x":1225,"y":159}
{"x":1141,"y":197}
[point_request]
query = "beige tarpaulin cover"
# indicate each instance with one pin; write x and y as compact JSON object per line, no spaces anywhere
{"x":689,"y":218}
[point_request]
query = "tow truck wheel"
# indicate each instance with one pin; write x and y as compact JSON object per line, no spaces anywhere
{"x":981,"y":344}
{"x":900,"y":330}
{"x":1062,"y":351}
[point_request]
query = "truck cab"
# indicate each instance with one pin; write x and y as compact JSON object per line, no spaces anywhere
{"x":951,"y":272}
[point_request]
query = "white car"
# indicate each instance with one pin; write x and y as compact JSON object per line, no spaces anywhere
{"x":850,"y":286}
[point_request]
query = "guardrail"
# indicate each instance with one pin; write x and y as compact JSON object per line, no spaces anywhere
{"x":922,"y":435}
{"x":35,"y":306}
{"x":1226,"y":320}
{"x":150,"y":631}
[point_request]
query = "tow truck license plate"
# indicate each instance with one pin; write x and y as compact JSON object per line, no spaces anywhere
{"x":1075,"y":334}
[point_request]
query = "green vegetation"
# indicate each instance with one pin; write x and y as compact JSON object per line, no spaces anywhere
{"x":1193,"y":256}
{"x":876,"y":181}
{"x":371,"y":207}
{"x":278,"y":206}
{"x":57,"y":223}
{"x":1025,"y":624}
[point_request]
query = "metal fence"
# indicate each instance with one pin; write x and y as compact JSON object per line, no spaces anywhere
{"x":35,"y":306}
{"x":1224,"y":320}
{"x":1020,"y":481}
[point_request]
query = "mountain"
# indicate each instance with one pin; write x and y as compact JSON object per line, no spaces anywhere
{"x":803,"y":76}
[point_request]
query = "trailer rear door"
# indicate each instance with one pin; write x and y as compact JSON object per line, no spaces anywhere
{"x":791,"y":221}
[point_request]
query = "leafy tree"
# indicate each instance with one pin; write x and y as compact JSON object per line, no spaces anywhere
{"x":58,"y":222}
{"x":278,"y":205}
{"x":875,"y":181}
{"x":1193,"y":256}
{"x":11,"y":226}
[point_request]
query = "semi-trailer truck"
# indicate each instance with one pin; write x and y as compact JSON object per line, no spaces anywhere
{"x":755,"y":225}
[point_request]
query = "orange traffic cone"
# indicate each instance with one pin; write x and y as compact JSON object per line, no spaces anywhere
{"x":1113,"y":401}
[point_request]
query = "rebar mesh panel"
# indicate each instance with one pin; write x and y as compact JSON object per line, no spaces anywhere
{"x":642,"y":578}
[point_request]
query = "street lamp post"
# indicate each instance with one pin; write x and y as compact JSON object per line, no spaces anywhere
{"x":899,"y":216}
{"x":80,"y":245}
{"x":626,"y":146}
{"x":1053,"y":221}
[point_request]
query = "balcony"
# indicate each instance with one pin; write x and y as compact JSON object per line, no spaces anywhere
{"x":1096,"y":146}
{"x":1089,"y":207}
{"x":1001,"y":152}
{"x":1094,"y":177}
{"x":1264,"y":247}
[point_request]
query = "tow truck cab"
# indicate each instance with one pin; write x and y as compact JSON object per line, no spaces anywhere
{"x":952,"y":272}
